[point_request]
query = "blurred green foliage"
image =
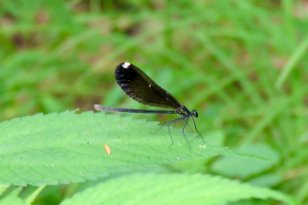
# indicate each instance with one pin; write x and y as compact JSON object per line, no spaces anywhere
{"x":242,"y":64}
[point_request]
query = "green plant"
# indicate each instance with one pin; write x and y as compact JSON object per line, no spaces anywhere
{"x":241,"y":64}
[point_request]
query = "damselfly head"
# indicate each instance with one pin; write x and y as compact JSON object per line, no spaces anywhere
{"x":195,"y":113}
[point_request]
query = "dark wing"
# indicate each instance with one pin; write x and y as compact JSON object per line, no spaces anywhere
{"x":137,"y":85}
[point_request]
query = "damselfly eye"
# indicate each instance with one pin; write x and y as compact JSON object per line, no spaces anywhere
{"x":195,"y":113}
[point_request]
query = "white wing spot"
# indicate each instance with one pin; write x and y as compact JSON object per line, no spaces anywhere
{"x":150,"y":85}
{"x":126,"y":65}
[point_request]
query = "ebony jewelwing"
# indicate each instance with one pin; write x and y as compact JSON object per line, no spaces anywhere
{"x":137,"y":85}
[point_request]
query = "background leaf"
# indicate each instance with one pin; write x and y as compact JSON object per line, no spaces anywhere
{"x":172,"y":189}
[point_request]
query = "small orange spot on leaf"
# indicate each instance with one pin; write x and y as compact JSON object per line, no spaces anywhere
{"x":107,"y":149}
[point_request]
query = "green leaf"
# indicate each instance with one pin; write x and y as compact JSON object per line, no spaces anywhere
{"x":172,"y":189}
{"x":12,"y":198}
{"x":30,"y":199}
{"x":246,"y":167}
{"x":3,"y":188}
{"x":70,"y":147}
{"x":296,"y":57}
